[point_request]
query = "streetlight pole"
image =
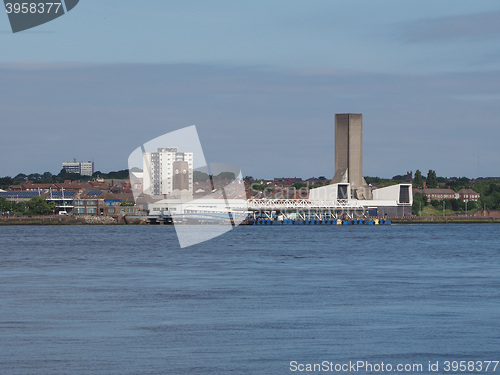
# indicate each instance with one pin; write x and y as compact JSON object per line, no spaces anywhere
{"x":443,"y":209}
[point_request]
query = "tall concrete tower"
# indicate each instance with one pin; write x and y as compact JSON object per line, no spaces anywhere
{"x":349,"y":154}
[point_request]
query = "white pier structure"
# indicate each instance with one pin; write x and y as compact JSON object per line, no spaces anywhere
{"x":335,"y":202}
{"x":305,"y":209}
{"x":325,"y":203}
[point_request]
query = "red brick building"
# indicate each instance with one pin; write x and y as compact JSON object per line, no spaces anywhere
{"x":467,"y":195}
{"x":437,"y":194}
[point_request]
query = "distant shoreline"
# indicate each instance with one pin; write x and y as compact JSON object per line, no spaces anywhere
{"x":108,"y":220}
{"x":66,"y":220}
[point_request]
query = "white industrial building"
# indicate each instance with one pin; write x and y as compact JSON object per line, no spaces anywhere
{"x":325,"y":203}
{"x":393,"y":200}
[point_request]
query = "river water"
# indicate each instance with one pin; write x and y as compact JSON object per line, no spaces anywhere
{"x":258,"y":300}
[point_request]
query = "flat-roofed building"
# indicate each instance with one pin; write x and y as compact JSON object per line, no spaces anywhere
{"x":78,"y":167}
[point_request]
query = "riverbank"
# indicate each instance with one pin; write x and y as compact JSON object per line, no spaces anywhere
{"x":109,"y":220}
{"x":445,"y":220}
{"x":67,"y":220}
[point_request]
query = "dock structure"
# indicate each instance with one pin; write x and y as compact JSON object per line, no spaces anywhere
{"x":329,"y":202}
{"x":305,"y":209}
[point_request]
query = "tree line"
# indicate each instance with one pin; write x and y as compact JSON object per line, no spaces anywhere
{"x":49,"y":178}
{"x":35,"y":206}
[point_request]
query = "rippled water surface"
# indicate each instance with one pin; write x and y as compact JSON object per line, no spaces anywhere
{"x":128,"y":300}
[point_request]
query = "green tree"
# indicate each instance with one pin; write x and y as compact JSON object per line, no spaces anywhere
{"x":18,"y":208}
{"x":447,"y":204}
{"x":459,"y":183}
{"x":298,"y":185}
{"x":228,"y":176}
{"x":471,"y":205}
{"x":417,"y":180}
{"x":257,"y":186}
{"x":4,"y":205}
{"x":490,"y":195}
{"x":316,"y":185}
{"x":63,"y":175}
{"x":490,"y":201}
{"x":5,"y":182}
{"x":199,"y":176}
{"x":436,"y":203}
{"x":419,"y":202}
{"x":461,"y":205}
{"x":11,"y":206}
{"x":431,"y":181}
{"x":34,"y":177}
{"x":455,"y":205}
{"x":20,"y":178}
{"x":372,"y":180}
{"x":40,"y":206}
{"x":122,"y":174}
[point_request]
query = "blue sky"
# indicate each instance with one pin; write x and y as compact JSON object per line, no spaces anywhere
{"x":262,"y":81}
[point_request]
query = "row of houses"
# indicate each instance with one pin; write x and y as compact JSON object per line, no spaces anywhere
{"x":87,"y":202}
{"x":464,"y":195}
{"x":95,"y":202}
{"x":59,"y":186}
{"x":74,"y":197}
{"x":68,"y":185}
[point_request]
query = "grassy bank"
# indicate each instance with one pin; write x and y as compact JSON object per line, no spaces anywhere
{"x":445,"y":220}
